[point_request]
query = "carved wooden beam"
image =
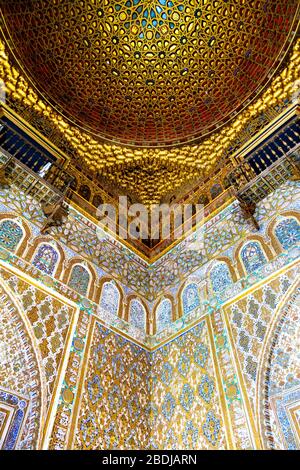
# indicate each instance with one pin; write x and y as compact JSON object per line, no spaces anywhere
{"x":4,"y":179}
{"x":248,"y":211}
{"x":295,"y":176}
{"x":55,"y":214}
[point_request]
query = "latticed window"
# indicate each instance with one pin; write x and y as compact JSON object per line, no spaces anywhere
{"x":110,"y":298}
{"x":220,"y":277}
{"x":79,"y":279}
{"x":163,"y":315}
{"x":190,"y":298}
{"x":46,"y":259}
{"x":288,"y":232}
{"x":253,"y":256}
{"x":10,"y":234}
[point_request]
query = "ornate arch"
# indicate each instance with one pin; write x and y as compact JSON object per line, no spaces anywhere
{"x":191,"y":281}
{"x":69,"y":265}
{"x":283,"y":316}
{"x":34,"y":245}
{"x":97,"y":199}
{"x":223,"y":259}
{"x":85,"y":191}
{"x":129,"y":299}
{"x":98,"y":292}
{"x":173,"y":309}
{"x":23,"y":225}
{"x":213,"y":264}
{"x":28,"y":430}
{"x":215,"y":190}
{"x":237,"y":255}
{"x":272,"y":225}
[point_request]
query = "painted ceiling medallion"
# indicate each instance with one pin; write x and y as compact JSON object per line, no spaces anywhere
{"x":149,"y":73}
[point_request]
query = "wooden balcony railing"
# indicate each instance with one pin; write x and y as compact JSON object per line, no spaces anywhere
{"x":48,"y":185}
{"x":255,"y":178}
{"x":32,"y":156}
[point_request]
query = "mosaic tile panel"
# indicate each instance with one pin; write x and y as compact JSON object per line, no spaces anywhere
{"x":137,"y":314}
{"x":288,"y":232}
{"x":50,"y":320}
{"x":220,"y":277}
{"x":284,"y":377}
{"x":190,"y":298}
{"x":253,"y":256}
{"x":163,"y":315}
{"x":234,"y":406}
{"x":19,"y":378}
{"x":110,"y":298}
{"x":46,"y":259}
{"x":79,"y":279}
{"x":10,"y":234}
{"x":185,"y":407}
{"x":13,"y":416}
{"x":115,"y":401}
{"x":64,"y":414}
{"x":249,"y":318}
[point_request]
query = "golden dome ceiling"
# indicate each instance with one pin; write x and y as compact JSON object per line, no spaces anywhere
{"x":149,"y":73}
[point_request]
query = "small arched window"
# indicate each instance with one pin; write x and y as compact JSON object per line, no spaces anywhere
{"x":74,"y":184}
{"x":220,"y":277}
{"x":190,"y":298}
{"x":215,"y":190}
{"x":163,"y":315}
{"x":46,"y":259}
{"x":137,"y":314}
{"x":97,"y":200}
{"x":288,"y":232}
{"x":110,"y":298}
{"x":203,"y":199}
{"x":85,"y":192}
{"x":10,"y":234}
{"x":79,"y":279}
{"x":253,"y":256}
